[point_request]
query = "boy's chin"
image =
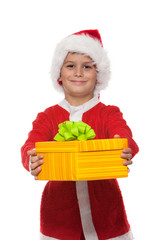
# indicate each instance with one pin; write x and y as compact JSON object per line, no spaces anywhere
{"x":83,"y":94}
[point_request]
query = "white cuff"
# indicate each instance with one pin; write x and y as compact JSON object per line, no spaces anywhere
{"x":30,"y":161}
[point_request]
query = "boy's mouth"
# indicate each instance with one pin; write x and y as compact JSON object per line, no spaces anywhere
{"x":78,"y":82}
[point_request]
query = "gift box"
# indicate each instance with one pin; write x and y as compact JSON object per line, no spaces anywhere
{"x":82,"y":160}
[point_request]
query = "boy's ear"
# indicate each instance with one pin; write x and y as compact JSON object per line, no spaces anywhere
{"x":97,"y":82}
{"x":59,"y":81}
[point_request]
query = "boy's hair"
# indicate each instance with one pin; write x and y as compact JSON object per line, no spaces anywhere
{"x":89,"y":43}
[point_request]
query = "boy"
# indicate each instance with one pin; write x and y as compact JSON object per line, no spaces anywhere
{"x":81,"y":210}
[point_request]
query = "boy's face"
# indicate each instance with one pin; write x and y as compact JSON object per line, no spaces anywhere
{"x":78,"y":76}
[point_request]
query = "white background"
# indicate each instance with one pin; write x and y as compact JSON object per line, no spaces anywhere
{"x":29,"y":32}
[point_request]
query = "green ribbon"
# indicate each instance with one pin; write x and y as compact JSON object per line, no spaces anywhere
{"x":70,"y":130}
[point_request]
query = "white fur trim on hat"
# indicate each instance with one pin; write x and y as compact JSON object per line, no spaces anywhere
{"x":86,"y":45}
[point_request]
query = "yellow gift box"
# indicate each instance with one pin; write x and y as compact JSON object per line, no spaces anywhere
{"x":82,"y":160}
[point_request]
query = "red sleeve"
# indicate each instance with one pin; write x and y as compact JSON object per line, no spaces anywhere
{"x":117,"y":125}
{"x":42,"y":130}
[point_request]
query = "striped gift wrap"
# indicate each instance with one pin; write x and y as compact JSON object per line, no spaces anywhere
{"x":82,"y":160}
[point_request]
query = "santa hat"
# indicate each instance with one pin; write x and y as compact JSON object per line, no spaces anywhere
{"x":86,"y":42}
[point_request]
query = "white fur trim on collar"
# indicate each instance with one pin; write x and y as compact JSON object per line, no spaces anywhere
{"x":86,"y":45}
{"x":76,"y":112}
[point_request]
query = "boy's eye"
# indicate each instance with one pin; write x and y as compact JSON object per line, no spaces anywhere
{"x":87,"y":66}
{"x":70,"y":66}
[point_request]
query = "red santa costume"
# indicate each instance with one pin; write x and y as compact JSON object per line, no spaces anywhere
{"x":82,"y":210}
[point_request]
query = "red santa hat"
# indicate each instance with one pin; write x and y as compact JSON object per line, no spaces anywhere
{"x":86,"y":42}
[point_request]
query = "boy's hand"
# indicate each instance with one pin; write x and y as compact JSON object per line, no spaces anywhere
{"x":126,"y":154}
{"x":36,"y":162}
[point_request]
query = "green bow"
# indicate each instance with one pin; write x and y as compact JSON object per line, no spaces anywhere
{"x":70,"y":130}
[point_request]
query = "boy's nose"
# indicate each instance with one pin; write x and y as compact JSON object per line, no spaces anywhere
{"x":78,"y":72}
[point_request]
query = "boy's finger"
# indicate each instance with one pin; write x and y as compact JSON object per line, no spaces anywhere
{"x":127,"y":150}
{"x":116,"y":136}
{"x":36,"y":164}
{"x":36,"y":171}
{"x":126,"y":163}
{"x":32,"y":152}
{"x":36,"y":158}
{"x":126,"y":156}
